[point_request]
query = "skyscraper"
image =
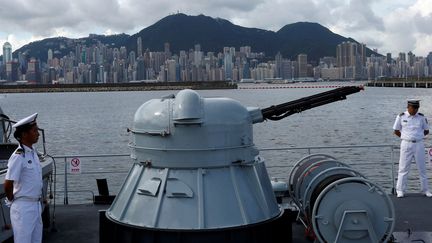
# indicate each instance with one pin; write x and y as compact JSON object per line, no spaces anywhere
{"x":346,"y":53}
{"x":361,"y":51}
{"x":389,"y":58}
{"x":139,"y":46}
{"x":198,"y":55}
{"x":286,"y":69}
{"x":278,"y":62}
{"x":429,"y":59}
{"x":12,"y":70}
{"x":33,"y":72}
{"x":140,"y":69}
{"x":50,"y":54}
{"x":101,"y":75}
{"x":52,"y":75}
{"x":411,"y":59}
{"x":171,"y":70}
{"x":7,"y":52}
{"x":77,"y":54}
{"x":167,"y":50}
{"x":50,"y":57}
{"x":93,"y":73}
{"x":402,"y":56}
{"x":83,"y":56}
{"x":302,"y":65}
{"x":228,"y":66}
{"x":352,"y":57}
{"x":123,"y":53}
{"x":132,"y":58}
{"x":197,"y":47}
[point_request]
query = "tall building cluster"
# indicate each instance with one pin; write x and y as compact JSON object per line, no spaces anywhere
{"x":405,"y":65}
{"x":351,"y":63}
{"x":100,"y":63}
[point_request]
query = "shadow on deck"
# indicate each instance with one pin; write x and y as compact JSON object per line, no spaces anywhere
{"x":80,"y":223}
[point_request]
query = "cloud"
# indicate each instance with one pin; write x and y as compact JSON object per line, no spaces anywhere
{"x":355,"y":16}
{"x":424,"y":7}
{"x":148,"y":12}
{"x":78,"y":16}
{"x":423,"y":23}
{"x":347,"y":16}
{"x":423,"y":43}
{"x":409,"y":28}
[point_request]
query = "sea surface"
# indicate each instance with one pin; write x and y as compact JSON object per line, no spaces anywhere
{"x":89,"y":123}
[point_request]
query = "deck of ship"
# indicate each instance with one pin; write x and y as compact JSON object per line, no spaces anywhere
{"x":80,"y":223}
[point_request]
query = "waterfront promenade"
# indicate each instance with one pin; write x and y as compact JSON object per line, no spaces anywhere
{"x":43,"y":88}
{"x":402,"y":83}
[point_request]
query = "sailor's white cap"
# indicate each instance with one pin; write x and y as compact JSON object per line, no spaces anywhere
{"x":28,"y":120}
{"x":413,"y":102}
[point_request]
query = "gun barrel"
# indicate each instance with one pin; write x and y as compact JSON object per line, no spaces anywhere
{"x":278,"y":112}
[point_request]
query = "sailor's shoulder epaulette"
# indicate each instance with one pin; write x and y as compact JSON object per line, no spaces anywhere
{"x":420,"y":114}
{"x":19,"y":151}
{"x":401,"y":114}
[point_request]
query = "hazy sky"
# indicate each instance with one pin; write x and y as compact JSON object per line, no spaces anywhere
{"x":388,"y":25}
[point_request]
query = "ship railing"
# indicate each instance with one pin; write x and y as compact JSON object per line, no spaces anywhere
{"x":78,"y":186}
{"x":377,"y":161}
{"x":380,"y":169}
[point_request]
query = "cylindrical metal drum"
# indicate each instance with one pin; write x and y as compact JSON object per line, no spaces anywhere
{"x":339,"y":203}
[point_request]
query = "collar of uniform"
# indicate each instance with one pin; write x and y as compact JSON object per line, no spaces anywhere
{"x":409,"y":115}
{"x":27,"y":149}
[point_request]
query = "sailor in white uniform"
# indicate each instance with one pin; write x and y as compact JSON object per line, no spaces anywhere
{"x":411,"y":126}
{"x":23,"y":184}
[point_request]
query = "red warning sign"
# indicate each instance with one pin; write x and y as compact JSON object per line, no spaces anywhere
{"x":75,"y":166}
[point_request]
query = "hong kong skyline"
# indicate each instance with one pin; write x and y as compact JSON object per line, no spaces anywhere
{"x":385,"y":25}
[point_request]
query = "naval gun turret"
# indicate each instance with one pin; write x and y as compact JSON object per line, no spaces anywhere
{"x":196,"y":176}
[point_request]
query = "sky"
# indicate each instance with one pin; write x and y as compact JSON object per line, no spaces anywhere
{"x":387,"y":25}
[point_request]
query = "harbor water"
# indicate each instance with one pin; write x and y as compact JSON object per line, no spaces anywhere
{"x":96,"y":123}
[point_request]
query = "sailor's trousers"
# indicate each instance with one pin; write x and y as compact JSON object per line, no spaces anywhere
{"x":408,"y":151}
{"x":26,"y":221}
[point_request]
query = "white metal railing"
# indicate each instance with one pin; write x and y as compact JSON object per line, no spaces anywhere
{"x":66,"y":157}
{"x":390,"y":147}
{"x":309,"y":150}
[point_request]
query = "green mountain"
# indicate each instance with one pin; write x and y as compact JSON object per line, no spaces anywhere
{"x":183,"y":32}
{"x":62,"y":46}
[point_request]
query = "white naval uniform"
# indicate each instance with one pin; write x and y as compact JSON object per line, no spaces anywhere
{"x":412,"y":133}
{"x":25,"y":170}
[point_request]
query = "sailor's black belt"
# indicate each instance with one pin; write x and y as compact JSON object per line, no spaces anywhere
{"x":412,"y":141}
